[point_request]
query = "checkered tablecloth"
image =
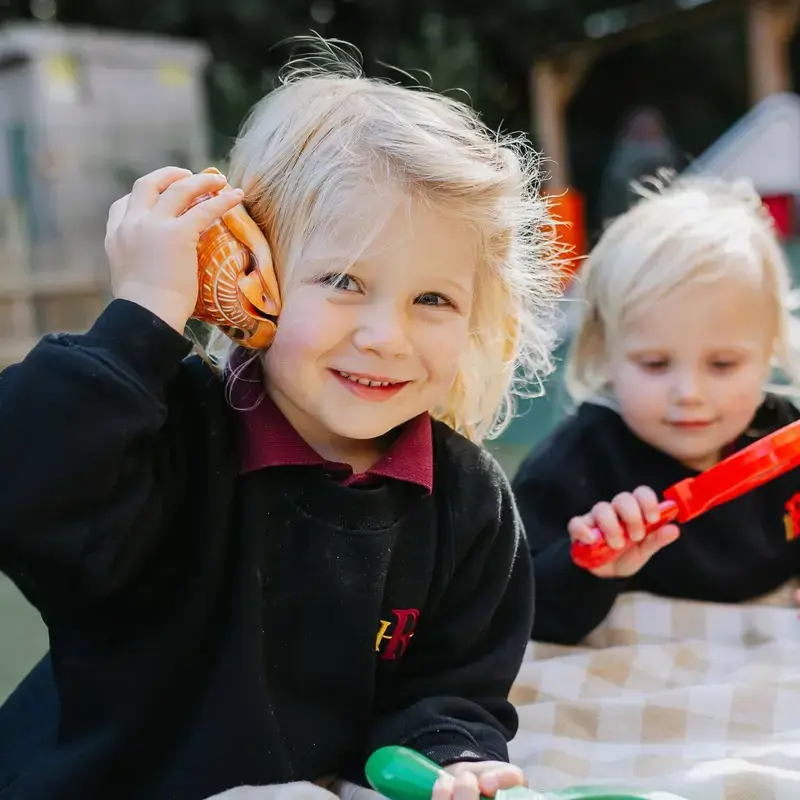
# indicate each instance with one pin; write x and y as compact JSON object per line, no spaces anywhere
{"x":698,"y":699}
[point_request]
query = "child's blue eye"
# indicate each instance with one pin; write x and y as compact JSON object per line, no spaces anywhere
{"x":433,"y":299}
{"x":339,"y":280}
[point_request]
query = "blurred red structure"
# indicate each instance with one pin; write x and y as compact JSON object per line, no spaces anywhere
{"x":782,"y":209}
{"x":568,"y":209}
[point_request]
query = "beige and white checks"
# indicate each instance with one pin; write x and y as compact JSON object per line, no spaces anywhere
{"x":698,"y":699}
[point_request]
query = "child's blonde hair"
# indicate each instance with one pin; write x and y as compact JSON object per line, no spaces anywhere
{"x":682,"y":231}
{"x":313,"y":159}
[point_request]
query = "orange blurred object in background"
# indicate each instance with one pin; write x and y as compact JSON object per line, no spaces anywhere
{"x":569,"y":210}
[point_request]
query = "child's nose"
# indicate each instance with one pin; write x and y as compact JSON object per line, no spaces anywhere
{"x":384,"y":331}
{"x":687,"y":387}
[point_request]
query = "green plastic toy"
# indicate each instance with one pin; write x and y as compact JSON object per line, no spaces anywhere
{"x":402,"y":774}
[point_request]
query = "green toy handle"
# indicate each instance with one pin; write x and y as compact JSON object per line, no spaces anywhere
{"x":402,"y":774}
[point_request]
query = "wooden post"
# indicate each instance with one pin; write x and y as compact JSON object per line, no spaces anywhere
{"x":553,"y":84}
{"x":770,"y":27}
{"x":549,"y":118}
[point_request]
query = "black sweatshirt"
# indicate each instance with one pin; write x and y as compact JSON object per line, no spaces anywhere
{"x":210,"y":629}
{"x":733,"y":553}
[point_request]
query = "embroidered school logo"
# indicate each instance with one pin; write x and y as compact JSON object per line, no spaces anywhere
{"x":395,"y":635}
{"x":791,"y":519}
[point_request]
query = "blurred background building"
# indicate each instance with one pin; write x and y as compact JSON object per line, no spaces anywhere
{"x":82,"y":114}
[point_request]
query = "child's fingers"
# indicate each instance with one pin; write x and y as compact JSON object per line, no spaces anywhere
{"x":630,"y":515}
{"x":501,"y":778}
{"x":209,"y":211}
{"x":147,"y":189}
{"x":648,"y":502}
{"x":443,"y":788}
{"x":582,"y":529}
{"x":466,"y":787}
{"x":606,"y":519}
{"x":180,"y":195}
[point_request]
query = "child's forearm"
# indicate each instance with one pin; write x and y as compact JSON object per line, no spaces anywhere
{"x":80,"y":418}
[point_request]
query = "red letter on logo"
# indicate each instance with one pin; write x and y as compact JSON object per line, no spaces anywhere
{"x":402,"y":633}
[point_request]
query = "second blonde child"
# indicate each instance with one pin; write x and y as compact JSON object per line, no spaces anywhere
{"x":686,"y":315}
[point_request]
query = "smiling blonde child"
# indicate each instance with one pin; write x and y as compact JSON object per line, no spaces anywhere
{"x":262,"y":574}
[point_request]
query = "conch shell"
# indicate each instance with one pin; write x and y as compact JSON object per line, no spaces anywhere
{"x":238,"y":288}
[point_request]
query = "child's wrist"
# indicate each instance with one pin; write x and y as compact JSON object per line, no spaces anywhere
{"x":166,"y":305}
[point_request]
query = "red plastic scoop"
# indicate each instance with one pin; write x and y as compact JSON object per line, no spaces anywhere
{"x":765,"y":459}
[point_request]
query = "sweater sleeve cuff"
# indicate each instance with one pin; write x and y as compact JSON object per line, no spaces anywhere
{"x":450,"y":747}
{"x":152,"y":347}
{"x":580,"y":579}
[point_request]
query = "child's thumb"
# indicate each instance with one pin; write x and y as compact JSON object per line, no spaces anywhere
{"x":659,"y":539}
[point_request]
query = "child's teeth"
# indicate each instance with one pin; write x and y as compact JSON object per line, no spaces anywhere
{"x":364,"y":381}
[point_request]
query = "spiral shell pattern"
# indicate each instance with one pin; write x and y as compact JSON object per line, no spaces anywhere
{"x":221,"y":259}
{"x":237,"y":285}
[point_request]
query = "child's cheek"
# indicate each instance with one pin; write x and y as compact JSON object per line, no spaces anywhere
{"x":634,"y":388}
{"x":740,"y":400}
{"x":443,"y":355}
{"x":305,"y":333}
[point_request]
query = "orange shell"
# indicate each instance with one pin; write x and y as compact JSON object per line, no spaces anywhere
{"x":238,"y":289}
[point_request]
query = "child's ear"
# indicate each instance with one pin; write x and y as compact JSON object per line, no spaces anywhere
{"x":238,"y":287}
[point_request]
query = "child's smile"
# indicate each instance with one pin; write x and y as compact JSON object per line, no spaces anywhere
{"x":370,"y":387}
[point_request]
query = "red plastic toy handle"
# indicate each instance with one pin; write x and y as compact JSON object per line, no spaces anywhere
{"x":762,"y":461}
{"x":592,"y":556}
